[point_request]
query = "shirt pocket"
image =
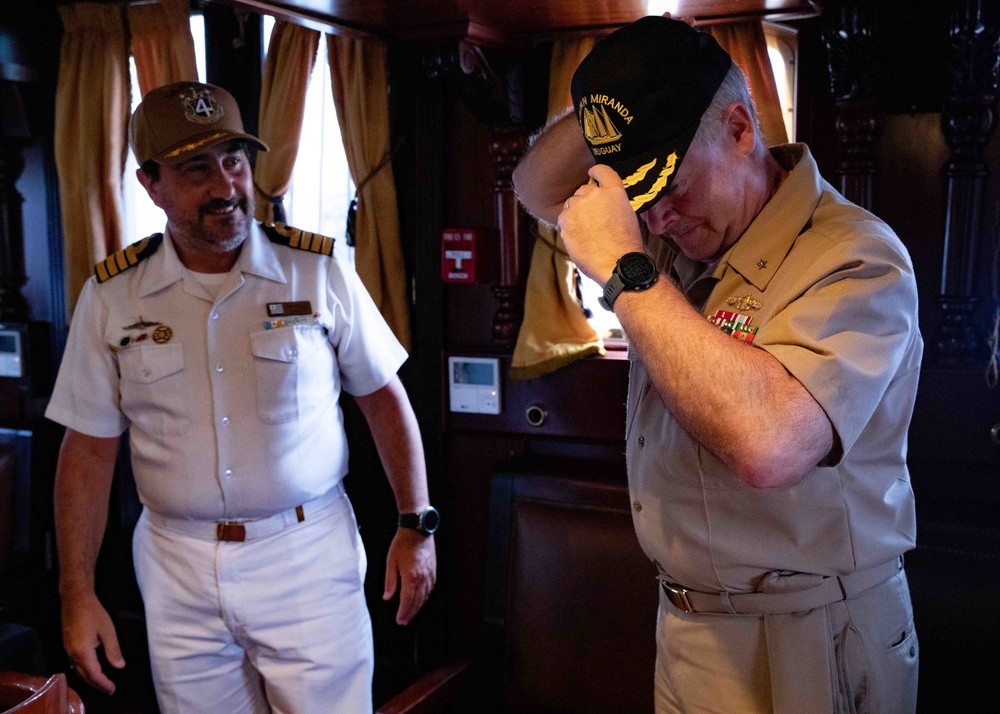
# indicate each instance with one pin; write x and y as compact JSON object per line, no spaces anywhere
{"x":295,"y":372}
{"x":154,"y":390}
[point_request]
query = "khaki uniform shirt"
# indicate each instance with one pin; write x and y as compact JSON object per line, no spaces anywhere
{"x":228,"y":417}
{"x":828,"y":290}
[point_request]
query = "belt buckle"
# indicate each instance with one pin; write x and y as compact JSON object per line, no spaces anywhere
{"x":230,"y":531}
{"x":678,"y":596}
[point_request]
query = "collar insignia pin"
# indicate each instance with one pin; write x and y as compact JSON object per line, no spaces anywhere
{"x":745,"y":302}
{"x":761,"y":264}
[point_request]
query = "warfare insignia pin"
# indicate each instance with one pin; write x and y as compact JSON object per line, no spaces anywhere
{"x":745,"y":302}
{"x":141,"y":324}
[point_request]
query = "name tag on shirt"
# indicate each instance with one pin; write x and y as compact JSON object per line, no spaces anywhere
{"x":286,"y":309}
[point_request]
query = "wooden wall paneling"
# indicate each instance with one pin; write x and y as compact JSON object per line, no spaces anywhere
{"x":954,"y":572}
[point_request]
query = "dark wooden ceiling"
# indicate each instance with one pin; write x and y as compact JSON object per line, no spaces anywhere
{"x":507,"y":21}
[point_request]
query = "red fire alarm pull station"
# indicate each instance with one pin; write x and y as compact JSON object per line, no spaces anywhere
{"x":458,"y":255}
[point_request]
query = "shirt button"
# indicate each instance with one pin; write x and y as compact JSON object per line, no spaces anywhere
{"x":291,"y":352}
{"x":145,"y":372}
{"x":228,"y":473}
{"x":218,"y":367}
{"x":225,"y":420}
{"x":637,"y":506}
{"x":642,"y":440}
{"x":215,"y":316}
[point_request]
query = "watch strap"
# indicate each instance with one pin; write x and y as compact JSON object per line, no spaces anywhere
{"x":612,"y":289}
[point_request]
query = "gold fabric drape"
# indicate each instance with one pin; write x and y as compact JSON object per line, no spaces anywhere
{"x":360,"y":93}
{"x":745,"y":43}
{"x":162,"y":44}
{"x":92,"y":108}
{"x":555,"y":332}
{"x":291,"y":56}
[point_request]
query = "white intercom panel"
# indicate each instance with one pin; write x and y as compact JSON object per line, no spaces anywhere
{"x":11,"y":353}
{"x":474,"y":384}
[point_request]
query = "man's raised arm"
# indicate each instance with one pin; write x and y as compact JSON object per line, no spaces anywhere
{"x":554,"y":167}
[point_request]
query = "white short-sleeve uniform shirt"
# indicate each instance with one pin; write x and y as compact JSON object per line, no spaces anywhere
{"x":232,"y":414}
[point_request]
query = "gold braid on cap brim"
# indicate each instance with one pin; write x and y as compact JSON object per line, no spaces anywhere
{"x":195,"y":145}
{"x":639,"y":175}
{"x":643,"y":198}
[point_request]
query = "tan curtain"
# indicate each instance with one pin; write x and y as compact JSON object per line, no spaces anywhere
{"x":291,"y":55}
{"x":162,"y":44}
{"x":746,"y":44}
{"x":555,"y":330}
{"x":92,"y":107}
{"x":360,"y":93}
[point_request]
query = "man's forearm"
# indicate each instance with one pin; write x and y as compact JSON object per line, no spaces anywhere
{"x":772,"y":435}
{"x":397,"y":437}
{"x":553,"y":168}
{"x":82,"y":489}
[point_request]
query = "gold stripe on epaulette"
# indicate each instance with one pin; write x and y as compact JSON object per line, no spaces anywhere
{"x":299,"y":239}
{"x":127,"y":257}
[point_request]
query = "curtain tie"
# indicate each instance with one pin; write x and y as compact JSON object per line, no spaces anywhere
{"x":352,"y":207}
{"x":277,"y":204}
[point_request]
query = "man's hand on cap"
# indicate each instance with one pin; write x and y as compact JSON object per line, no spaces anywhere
{"x":598,"y":225}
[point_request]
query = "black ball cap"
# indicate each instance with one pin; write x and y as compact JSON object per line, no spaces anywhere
{"x":639,"y":97}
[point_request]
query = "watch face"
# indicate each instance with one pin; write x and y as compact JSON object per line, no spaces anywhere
{"x":637,"y":270}
{"x":431,"y":520}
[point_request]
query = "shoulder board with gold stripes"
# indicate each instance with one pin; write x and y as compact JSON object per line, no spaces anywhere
{"x":296,"y":238}
{"x":127,"y":257}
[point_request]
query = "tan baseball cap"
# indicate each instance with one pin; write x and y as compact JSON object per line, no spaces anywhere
{"x":176,"y":121}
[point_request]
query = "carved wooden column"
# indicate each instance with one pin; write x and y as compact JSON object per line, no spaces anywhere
{"x":506,"y":148}
{"x":850,"y":39}
{"x":967,"y":121}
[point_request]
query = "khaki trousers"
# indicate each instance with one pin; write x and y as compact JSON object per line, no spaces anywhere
{"x":856,"y":656}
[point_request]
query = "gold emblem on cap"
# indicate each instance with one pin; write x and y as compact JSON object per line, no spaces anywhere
{"x":200,"y":105}
{"x":597,"y":125}
{"x":745,"y":302}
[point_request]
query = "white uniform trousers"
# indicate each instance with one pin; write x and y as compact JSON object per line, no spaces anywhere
{"x":277,"y":623}
{"x":856,"y":656}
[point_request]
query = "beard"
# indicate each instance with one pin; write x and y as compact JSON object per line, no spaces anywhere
{"x":220,"y":226}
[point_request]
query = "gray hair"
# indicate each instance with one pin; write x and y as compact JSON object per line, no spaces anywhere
{"x":734,"y":88}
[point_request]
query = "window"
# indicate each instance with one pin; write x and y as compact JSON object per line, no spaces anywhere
{"x":142,"y":217}
{"x":781,"y":50}
{"x":321,"y":187}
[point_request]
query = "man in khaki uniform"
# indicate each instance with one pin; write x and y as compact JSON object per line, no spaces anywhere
{"x":773,"y":377}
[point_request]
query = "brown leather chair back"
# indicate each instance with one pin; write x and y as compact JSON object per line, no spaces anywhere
{"x":27,"y":694}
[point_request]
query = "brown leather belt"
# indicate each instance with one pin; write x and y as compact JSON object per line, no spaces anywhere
{"x":240,"y":530}
{"x":236,"y":531}
{"x":832,"y":589}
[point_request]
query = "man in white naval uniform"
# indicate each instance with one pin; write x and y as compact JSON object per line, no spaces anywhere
{"x":223,"y":347}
